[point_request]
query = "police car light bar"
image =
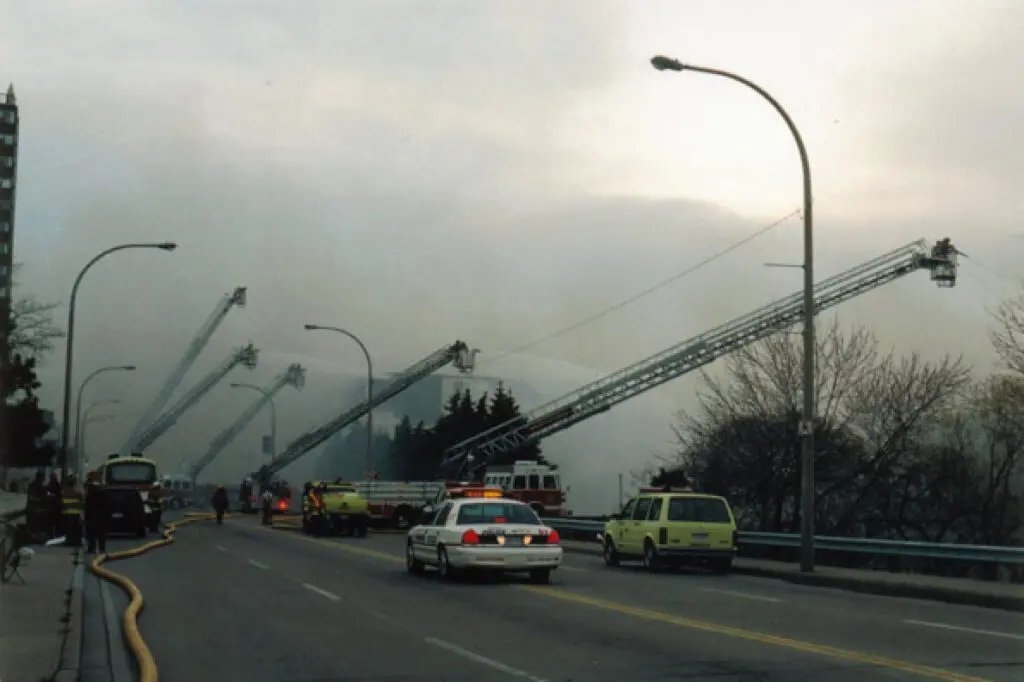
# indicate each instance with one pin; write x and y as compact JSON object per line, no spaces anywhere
{"x":477,"y":493}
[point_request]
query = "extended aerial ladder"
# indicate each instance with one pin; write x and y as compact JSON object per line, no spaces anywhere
{"x":603,"y":394}
{"x":195,"y":347}
{"x":295,"y":376}
{"x":247,"y":356}
{"x":457,"y":354}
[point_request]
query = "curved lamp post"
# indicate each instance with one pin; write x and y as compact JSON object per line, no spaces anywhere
{"x":83,"y":431}
{"x":81,"y":418}
{"x":65,"y":431}
{"x":78,"y":402}
{"x":369,"y":387}
{"x":273,"y":413}
{"x":806,"y":427}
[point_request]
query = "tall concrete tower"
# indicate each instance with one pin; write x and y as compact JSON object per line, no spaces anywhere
{"x":8,"y":182}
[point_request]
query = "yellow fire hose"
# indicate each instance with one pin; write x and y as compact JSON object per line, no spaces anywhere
{"x":143,"y":656}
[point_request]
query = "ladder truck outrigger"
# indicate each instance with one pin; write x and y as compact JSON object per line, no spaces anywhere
{"x":174,"y":379}
{"x":295,"y":376}
{"x":457,"y":354}
{"x":246,"y":356}
{"x":473,"y":454}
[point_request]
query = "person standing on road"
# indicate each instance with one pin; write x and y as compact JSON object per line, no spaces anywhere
{"x":54,"y":493}
{"x":268,"y":507}
{"x":156,"y":502}
{"x":97,"y":515}
{"x":220,"y":502}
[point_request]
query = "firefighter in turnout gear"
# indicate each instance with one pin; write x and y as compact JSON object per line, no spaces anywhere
{"x":71,"y":509}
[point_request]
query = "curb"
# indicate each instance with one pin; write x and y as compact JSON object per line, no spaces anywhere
{"x":74,"y":627}
{"x":863,"y":585}
{"x":147,"y":668}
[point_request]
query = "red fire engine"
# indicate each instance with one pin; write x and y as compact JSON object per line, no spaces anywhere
{"x":538,"y":485}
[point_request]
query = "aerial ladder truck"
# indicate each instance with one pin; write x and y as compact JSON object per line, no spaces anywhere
{"x":246,"y":356}
{"x":457,"y":354}
{"x":195,"y":347}
{"x":295,"y":376}
{"x":473,"y":454}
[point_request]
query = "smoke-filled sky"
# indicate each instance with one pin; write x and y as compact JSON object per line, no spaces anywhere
{"x":421,"y":172}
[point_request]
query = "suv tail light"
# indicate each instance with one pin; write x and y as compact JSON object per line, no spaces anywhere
{"x":470,"y":538}
{"x":735,"y":538}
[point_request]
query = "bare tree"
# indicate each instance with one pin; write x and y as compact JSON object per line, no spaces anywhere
{"x":34,"y":330}
{"x":743,"y":440}
{"x":1008,"y":335}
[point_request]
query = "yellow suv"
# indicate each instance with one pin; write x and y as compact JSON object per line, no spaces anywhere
{"x":672,"y":526}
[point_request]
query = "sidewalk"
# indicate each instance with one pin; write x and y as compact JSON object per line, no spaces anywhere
{"x":1007,"y":596}
{"x":40,"y":619}
{"x":11,"y":503}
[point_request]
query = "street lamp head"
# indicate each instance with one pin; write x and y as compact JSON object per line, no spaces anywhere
{"x":167,"y":246}
{"x":662,"y":63}
{"x":128,"y":368}
{"x":311,"y":327}
{"x":235,"y":384}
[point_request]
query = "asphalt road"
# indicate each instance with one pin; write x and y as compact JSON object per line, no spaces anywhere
{"x":244,"y":602}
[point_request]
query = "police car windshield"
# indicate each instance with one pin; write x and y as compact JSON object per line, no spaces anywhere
{"x":131,"y":472}
{"x":490,"y":512}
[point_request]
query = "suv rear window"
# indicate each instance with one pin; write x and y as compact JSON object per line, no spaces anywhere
{"x":488,"y":512}
{"x":698,"y":509}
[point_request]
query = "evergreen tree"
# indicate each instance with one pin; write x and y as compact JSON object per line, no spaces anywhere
{"x":416,"y":453}
{"x":504,"y":411}
{"x":25,"y":425}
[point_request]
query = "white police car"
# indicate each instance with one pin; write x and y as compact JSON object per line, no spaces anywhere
{"x":478,"y":529}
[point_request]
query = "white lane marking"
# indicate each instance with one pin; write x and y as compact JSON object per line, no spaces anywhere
{"x":322,"y":593}
{"x":744,"y":595}
{"x":960,"y":628}
{"x":258,"y":564}
{"x":220,"y":548}
{"x":482,"y":660}
{"x":563,"y":567}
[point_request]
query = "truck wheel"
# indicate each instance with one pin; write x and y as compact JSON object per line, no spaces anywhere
{"x":361,"y":526}
{"x":141,"y":532}
{"x":403,"y":517}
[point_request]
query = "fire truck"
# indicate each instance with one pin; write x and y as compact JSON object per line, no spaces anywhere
{"x":537,"y":485}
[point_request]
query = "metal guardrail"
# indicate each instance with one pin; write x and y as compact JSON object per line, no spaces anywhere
{"x":905,"y":548}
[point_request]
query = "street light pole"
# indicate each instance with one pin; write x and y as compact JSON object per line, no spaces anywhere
{"x":806,"y":427}
{"x":369,"y":387}
{"x":81,"y":418}
{"x":84,"y":430}
{"x":273,"y":414}
{"x":78,"y":401}
{"x":65,"y":430}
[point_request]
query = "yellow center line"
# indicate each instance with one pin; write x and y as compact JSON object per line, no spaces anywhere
{"x":750,"y":635}
{"x":705,"y":626}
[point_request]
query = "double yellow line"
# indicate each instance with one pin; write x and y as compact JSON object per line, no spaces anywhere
{"x":144,"y":657}
{"x":705,"y":626}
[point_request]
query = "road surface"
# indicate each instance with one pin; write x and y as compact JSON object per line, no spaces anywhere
{"x":241,"y":601}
